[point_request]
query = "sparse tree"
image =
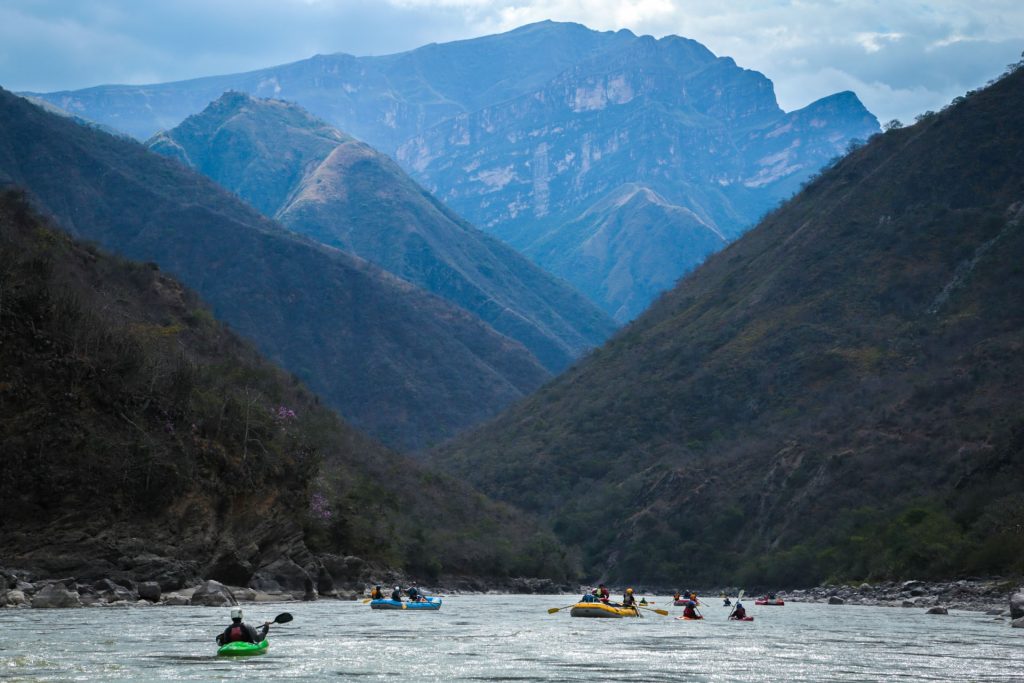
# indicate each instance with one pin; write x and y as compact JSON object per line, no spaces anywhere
{"x":894,"y":124}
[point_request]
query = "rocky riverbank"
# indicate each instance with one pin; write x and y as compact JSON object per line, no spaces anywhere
{"x":20,"y":589}
{"x":998,"y":597}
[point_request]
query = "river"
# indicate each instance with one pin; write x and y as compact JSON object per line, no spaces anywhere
{"x":512,"y":638}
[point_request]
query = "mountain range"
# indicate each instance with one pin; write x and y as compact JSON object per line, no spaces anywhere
{"x":319,"y":182}
{"x":525,"y":132}
{"x":833,"y":396}
{"x":403,"y":365}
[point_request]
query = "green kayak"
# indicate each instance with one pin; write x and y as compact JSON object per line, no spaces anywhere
{"x":239,"y":649}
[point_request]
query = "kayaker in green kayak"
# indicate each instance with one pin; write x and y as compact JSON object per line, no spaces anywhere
{"x":240,"y":632}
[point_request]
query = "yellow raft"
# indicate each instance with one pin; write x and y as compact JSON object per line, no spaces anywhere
{"x":599,"y":609}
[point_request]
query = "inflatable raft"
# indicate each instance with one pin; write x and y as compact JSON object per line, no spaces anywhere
{"x":239,"y":649}
{"x":429,"y":604}
{"x":778,"y":602}
{"x":599,"y":609}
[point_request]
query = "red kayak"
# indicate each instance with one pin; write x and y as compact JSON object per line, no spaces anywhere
{"x":689,"y":618}
{"x":778,"y":602}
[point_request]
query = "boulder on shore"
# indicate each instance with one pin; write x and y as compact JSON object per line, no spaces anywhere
{"x":150,"y":590}
{"x":56,"y":595}
{"x":213,"y":594}
{"x":836,"y":600}
{"x":1017,"y":605}
{"x":937,"y":610}
{"x":113,"y":592}
{"x":13,"y":598}
{"x":1018,"y":623}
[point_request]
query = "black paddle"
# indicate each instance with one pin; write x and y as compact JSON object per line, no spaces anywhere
{"x":282,"y":618}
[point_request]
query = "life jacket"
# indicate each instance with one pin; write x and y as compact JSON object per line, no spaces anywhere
{"x":740,"y":613}
{"x":689,"y":611}
{"x":236,"y":633}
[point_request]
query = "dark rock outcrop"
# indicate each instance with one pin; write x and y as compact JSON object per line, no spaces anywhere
{"x":150,"y":590}
{"x":937,"y":610}
{"x":834,"y":600}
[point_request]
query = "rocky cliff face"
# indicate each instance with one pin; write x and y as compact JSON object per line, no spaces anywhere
{"x":704,"y":134}
{"x":343,"y":193}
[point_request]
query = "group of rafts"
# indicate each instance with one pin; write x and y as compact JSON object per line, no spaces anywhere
{"x":588,"y":608}
{"x":608,"y":610}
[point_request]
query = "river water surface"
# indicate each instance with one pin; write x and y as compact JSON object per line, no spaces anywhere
{"x":512,"y":638}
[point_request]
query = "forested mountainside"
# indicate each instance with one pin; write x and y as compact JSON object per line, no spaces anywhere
{"x":405,"y":366}
{"x":526,"y":132}
{"x":836,"y":394}
{"x":319,"y":182}
{"x":142,"y":439}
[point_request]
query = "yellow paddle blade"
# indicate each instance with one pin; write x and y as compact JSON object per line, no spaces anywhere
{"x":554,"y":609}
{"x":366,"y":600}
{"x":662,"y":612}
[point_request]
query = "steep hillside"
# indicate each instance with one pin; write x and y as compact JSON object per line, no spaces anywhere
{"x":321,"y":183}
{"x":627,"y":248}
{"x":837,"y":393}
{"x":405,"y":366}
{"x":118,"y":386}
{"x":701,"y":132}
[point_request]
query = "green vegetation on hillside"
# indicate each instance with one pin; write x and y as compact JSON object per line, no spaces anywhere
{"x":132,"y":421}
{"x":835,"y":395}
{"x":405,"y":366}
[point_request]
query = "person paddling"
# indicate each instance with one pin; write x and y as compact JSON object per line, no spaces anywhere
{"x":690,"y":611}
{"x":376,"y":593}
{"x":414,"y":593}
{"x":628,"y":600}
{"x":396,"y":594}
{"x":740,"y":612}
{"x":240,"y":632}
{"x":602,"y":594}
{"x":727,"y":602}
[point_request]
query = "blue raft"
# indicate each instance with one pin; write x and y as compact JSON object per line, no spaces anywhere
{"x":429,"y":604}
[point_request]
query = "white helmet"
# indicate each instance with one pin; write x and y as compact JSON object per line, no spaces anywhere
{"x":236,"y":613}
{"x":397,"y":588}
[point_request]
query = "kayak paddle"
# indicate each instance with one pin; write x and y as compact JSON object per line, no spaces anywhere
{"x":282,"y":618}
{"x":662,"y":612}
{"x":559,"y":609}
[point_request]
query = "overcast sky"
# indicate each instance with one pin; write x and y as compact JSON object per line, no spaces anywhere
{"x":901,"y":57}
